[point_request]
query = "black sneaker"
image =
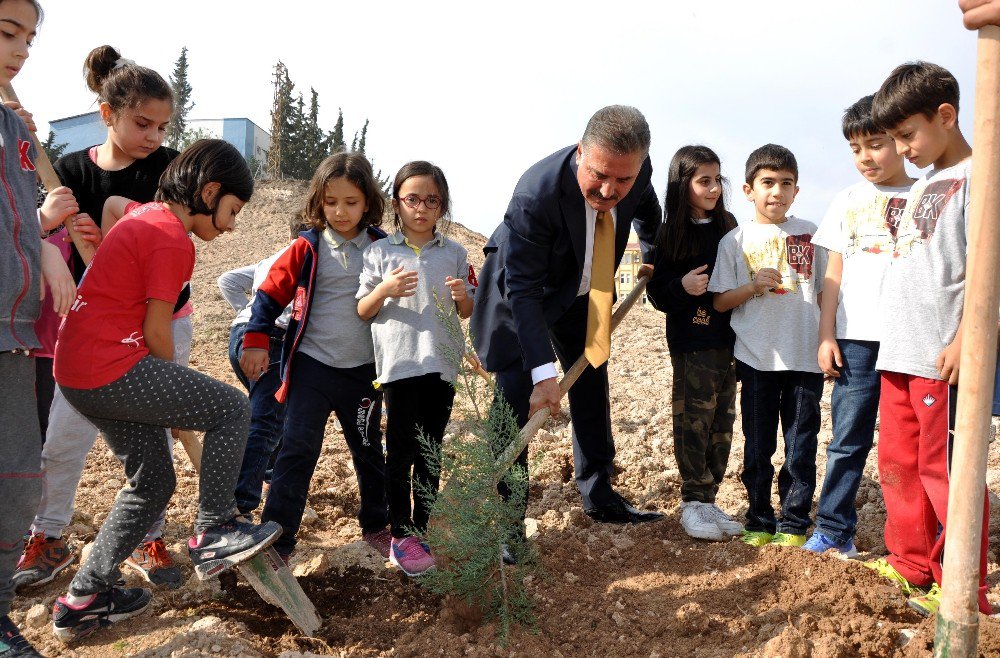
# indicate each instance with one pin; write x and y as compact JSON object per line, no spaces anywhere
{"x":224,"y":546}
{"x":71,"y":623}
{"x":12,"y":643}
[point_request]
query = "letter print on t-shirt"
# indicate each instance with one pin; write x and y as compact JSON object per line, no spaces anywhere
{"x":918,"y":226}
{"x":791,"y":255}
{"x":871,"y":228}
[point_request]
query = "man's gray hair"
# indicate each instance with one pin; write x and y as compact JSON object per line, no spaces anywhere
{"x":620,"y":129}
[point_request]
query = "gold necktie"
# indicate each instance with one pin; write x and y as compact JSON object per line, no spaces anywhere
{"x":602,"y":273}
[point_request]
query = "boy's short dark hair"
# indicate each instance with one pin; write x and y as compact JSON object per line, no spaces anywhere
{"x":205,"y":161}
{"x":773,"y":157}
{"x":858,"y":122}
{"x":913,"y":88}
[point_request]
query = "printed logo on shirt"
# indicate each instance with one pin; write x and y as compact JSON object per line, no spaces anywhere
{"x":132,"y":340}
{"x":792,"y":256}
{"x":473,"y":281}
{"x":298,"y":303}
{"x":365,"y":409}
{"x":870,"y":223}
{"x":701,"y":317}
{"x":78,"y":303}
{"x":929,"y":400}
{"x":23,"y":149}
{"x":918,"y":226}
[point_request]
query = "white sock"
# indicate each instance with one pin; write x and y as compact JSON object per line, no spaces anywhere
{"x":79,"y":601}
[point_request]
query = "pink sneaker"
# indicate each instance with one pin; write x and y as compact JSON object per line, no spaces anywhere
{"x":410,"y":556}
{"x":381,"y":541}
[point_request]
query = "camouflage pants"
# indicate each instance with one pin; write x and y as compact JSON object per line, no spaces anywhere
{"x":704,"y":410}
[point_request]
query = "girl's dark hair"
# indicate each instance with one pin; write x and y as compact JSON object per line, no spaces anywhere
{"x":122,"y":87}
{"x":424,"y":168}
{"x":205,"y":161}
{"x":675,"y":238}
{"x":355,"y":168}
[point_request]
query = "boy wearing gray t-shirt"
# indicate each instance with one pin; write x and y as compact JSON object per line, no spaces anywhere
{"x":769,"y":274}
{"x":921,"y":317}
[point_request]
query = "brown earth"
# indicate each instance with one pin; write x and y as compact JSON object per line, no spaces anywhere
{"x":602,"y":591}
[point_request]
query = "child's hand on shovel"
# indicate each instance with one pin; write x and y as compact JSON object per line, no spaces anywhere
{"x":23,"y":113}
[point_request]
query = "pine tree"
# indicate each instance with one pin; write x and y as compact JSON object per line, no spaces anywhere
{"x":182,"y":101}
{"x":53,"y":150}
{"x":363,"y":139}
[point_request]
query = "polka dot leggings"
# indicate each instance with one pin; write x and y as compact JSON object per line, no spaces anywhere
{"x":131,"y":412}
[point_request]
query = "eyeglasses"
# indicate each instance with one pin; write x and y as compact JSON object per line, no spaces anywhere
{"x":413,"y":201}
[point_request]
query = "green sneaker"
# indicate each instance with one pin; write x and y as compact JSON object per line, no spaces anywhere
{"x":786,"y":539}
{"x":756,"y":539}
{"x":882,"y":567}
{"x":928,"y":603}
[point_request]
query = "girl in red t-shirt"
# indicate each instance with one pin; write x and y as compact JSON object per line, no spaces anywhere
{"x":113,"y":364}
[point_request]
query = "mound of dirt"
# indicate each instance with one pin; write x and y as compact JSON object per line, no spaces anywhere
{"x":646,"y":591}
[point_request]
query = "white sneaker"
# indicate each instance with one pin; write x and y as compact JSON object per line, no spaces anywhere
{"x":726,"y":523}
{"x":698,"y":522}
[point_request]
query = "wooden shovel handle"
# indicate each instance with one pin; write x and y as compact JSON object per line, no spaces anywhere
{"x":537,"y":420}
{"x":958,"y":618}
{"x":47,"y":176}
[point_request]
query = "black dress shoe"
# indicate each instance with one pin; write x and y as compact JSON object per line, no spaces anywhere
{"x":622,"y":512}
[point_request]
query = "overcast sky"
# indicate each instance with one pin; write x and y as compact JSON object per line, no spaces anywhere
{"x":486,"y":89}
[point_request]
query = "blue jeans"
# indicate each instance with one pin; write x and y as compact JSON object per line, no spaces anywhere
{"x":854,"y":408}
{"x":267,"y":416}
{"x":793,"y":398}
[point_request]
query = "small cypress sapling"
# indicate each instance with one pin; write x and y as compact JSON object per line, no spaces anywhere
{"x":470,"y":523}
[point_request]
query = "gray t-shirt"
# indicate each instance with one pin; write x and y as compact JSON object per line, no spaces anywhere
{"x":336,"y":335}
{"x":924,"y":287}
{"x":410,"y":339}
{"x":778,"y":330}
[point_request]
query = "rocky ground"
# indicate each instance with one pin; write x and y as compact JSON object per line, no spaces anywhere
{"x":645,"y":591}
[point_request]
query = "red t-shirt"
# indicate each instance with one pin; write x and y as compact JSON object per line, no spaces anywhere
{"x":148,"y":255}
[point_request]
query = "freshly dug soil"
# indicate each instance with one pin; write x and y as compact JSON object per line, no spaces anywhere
{"x":646,"y":591}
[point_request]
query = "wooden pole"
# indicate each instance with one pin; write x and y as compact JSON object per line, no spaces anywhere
{"x":48,"y":178}
{"x":537,"y":420}
{"x":957,"y":633}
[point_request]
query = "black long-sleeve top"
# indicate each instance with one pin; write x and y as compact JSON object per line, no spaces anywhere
{"x":692,"y":322}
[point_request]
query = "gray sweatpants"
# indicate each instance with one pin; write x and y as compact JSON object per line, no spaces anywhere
{"x":68,"y":441}
{"x":130,"y":413}
{"x":20,"y":463}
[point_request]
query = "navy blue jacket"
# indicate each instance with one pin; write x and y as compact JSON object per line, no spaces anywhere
{"x":534,"y":259}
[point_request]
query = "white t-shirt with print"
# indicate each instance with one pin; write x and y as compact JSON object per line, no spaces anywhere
{"x":860,"y":225}
{"x":778,"y":330}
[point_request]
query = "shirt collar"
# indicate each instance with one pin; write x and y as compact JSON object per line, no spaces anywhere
{"x":398,"y":238}
{"x":337,"y":241}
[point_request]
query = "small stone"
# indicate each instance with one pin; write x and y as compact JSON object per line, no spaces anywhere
{"x":618,"y":618}
{"x":309,"y":516}
{"x":37,"y":616}
{"x":216,"y":648}
{"x":112,"y":483}
{"x":205,"y":623}
{"x":318,"y":564}
{"x":904,"y":638}
{"x":530,"y":527}
{"x":571,"y":577}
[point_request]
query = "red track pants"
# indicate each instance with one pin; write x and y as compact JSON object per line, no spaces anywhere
{"x":917,"y":415}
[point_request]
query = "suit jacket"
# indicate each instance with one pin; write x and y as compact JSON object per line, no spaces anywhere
{"x":534,"y":259}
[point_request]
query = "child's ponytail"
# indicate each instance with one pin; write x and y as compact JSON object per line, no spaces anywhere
{"x":121,"y":83}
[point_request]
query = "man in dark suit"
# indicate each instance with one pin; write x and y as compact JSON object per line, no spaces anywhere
{"x":546,"y":267}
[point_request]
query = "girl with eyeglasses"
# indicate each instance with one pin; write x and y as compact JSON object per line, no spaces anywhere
{"x":327,"y":363}
{"x":409,"y":280}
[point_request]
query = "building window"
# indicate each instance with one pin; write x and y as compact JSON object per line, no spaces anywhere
{"x":626,"y":277}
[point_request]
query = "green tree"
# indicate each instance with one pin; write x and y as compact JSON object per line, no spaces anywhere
{"x":182,"y":102}
{"x":53,"y":150}
{"x":279,"y":116}
{"x":337,"y":136}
